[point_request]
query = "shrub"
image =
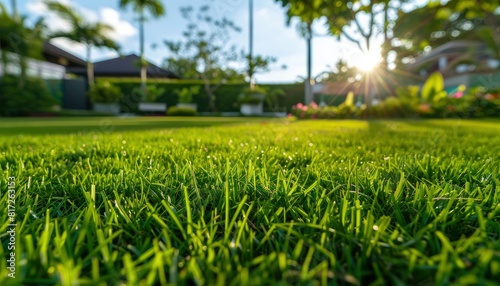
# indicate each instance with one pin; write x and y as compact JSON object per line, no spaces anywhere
{"x":180,"y":111}
{"x":249,"y":100}
{"x":23,"y":99}
{"x":104,"y":92}
{"x":252,"y":96}
{"x":186,"y":94}
{"x":150,"y":94}
{"x":391,"y":107}
{"x":226,"y":95}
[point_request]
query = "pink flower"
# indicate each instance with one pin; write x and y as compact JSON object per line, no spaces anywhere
{"x":314,"y":105}
{"x":458,"y":94}
{"x":300,"y":105}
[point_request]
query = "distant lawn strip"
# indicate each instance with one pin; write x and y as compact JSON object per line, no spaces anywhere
{"x":67,"y":125}
{"x":309,"y":202}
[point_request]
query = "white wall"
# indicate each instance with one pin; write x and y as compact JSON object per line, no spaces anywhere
{"x":35,"y":68}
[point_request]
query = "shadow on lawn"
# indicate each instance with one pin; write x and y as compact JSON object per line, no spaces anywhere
{"x":60,"y":126}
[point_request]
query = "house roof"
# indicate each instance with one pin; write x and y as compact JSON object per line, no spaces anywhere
{"x":126,"y":66}
{"x":460,"y":48}
{"x":54,"y":54}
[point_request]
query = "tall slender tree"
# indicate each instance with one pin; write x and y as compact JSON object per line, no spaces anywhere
{"x":15,"y":13}
{"x":308,"y":11}
{"x":92,"y":35}
{"x":17,"y":38}
{"x":250,"y":44}
{"x":156,"y":10}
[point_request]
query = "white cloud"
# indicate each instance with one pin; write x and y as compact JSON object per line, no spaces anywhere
{"x":38,"y":8}
{"x":122,"y":29}
{"x":70,"y":46}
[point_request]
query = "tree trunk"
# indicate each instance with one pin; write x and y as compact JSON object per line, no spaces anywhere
{"x":143,"y":62}
{"x":211,"y":97}
{"x":307,"y":86}
{"x":250,"y":46}
{"x":15,"y":13}
{"x":90,"y":68}
{"x":385,"y":46}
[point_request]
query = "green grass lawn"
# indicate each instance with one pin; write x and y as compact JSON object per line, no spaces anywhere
{"x":105,"y":125}
{"x":257,"y":202}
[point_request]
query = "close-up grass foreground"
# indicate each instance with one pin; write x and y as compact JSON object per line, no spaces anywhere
{"x":261,"y":202}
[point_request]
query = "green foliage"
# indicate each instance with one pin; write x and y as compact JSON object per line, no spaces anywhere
{"x":440,"y":22}
{"x":24,"y":97}
{"x":205,"y":51}
{"x":180,"y":111}
{"x":269,"y":202}
{"x":16,"y":37}
{"x":105,"y":92}
{"x":150,"y":94}
{"x":349,"y":100}
{"x":204,"y":54}
{"x":433,"y":89}
{"x":154,"y":7}
{"x":431,"y":102}
{"x":257,"y":90}
{"x":274,"y":96}
{"x":226,"y":95}
{"x":250,"y":100}
{"x":92,"y":35}
{"x":186,"y":94}
{"x":252,"y":96}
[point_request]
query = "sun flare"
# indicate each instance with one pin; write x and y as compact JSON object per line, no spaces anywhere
{"x":368,"y":61}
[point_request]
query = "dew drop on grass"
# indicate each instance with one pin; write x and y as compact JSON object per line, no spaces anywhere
{"x":375,"y":227}
{"x":33,"y":214}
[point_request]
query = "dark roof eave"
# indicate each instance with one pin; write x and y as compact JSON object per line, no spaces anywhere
{"x":53,"y":50}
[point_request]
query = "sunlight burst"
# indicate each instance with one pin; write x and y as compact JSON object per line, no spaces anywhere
{"x":367,"y":61}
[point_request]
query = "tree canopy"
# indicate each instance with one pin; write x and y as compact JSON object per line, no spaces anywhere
{"x":84,"y":32}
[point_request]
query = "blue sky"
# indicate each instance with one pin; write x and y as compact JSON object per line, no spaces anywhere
{"x":271,"y":35}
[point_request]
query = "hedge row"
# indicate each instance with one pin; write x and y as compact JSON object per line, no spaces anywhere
{"x":226,"y":95}
{"x":27,"y":97}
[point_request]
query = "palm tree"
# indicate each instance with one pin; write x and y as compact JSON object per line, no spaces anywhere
{"x":17,"y":38}
{"x":90,"y":34}
{"x":15,"y":14}
{"x":156,"y":9}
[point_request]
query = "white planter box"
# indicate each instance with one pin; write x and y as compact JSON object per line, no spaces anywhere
{"x":252,"y":109}
{"x":107,"y":107}
{"x":193,"y":106}
{"x":152,"y":106}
